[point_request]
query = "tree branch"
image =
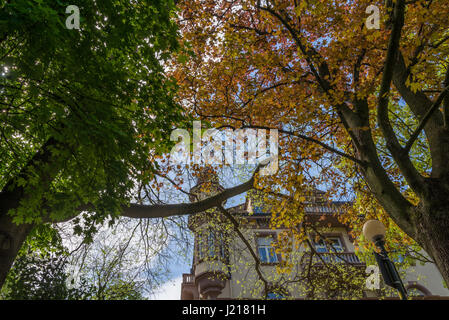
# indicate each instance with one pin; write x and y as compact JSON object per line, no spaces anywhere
{"x":414,"y":179}
{"x":446,"y":100}
{"x":306,"y":138}
{"x":419,"y":104}
{"x":247,"y":244}
{"x":426,"y":118}
{"x":143,"y":211}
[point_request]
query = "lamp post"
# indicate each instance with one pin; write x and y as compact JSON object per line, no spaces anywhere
{"x":374,"y":231}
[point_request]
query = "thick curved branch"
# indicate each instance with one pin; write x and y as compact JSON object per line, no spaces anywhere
{"x":166,"y":210}
{"x":446,"y":100}
{"x":13,"y":192}
{"x":414,"y":179}
{"x":419,"y":104}
{"x":426,"y":118}
{"x":143,"y":211}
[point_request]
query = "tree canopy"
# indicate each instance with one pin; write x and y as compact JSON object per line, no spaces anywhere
{"x":94,"y":104}
{"x":82,"y":111}
{"x":85,"y":114}
{"x":361,"y":111}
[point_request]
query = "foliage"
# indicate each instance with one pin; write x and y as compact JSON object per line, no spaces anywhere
{"x":131,"y":257}
{"x":35,"y":277}
{"x":93,"y":105}
{"x":314,"y":71}
{"x":46,"y":269}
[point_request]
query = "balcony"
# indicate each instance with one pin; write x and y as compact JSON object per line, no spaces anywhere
{"x":188,"y":289}
{"x":341,"y":257}
{"x":188,"y":278}
{"x":207,"y":285}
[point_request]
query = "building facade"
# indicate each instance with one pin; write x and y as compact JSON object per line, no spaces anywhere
{"x":245,"y":264}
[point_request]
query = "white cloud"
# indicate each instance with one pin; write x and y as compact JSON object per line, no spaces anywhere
{"x":171,"y":290}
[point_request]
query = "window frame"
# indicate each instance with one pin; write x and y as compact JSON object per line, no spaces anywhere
{"x":273,"y":237}
{"x":210,"y":245}
{"x":328,"y":237}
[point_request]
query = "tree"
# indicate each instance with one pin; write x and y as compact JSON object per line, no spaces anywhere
{"x":83,"y":114}
{"x":128,"y":260}
{"x":356,"y":107}
{"x":40,"y":278}
{"x":44,"y":269}
{"x":39,"y":271}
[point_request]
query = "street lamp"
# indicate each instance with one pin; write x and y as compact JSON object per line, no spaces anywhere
{"x":374,"y":231}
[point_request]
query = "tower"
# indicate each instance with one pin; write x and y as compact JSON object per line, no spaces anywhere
{"x":209,"y":268}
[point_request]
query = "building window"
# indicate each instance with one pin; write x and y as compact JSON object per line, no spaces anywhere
{"x":331,"y":244}
{"x":327,"y":248}
{"x":266,"y":250}
{"x":211,"y":244}
{"x":275,"y":296}
{"x":277,"y":293}
{"x":258,"y":210}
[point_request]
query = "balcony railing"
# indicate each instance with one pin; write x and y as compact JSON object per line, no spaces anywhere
{"x":336,"y":207}
{"x":188,"y":278}
{"x":340,"y":257}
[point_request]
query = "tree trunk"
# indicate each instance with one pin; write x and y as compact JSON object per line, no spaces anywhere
{"x":12,"y":237}
{"x":432,"y":233}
